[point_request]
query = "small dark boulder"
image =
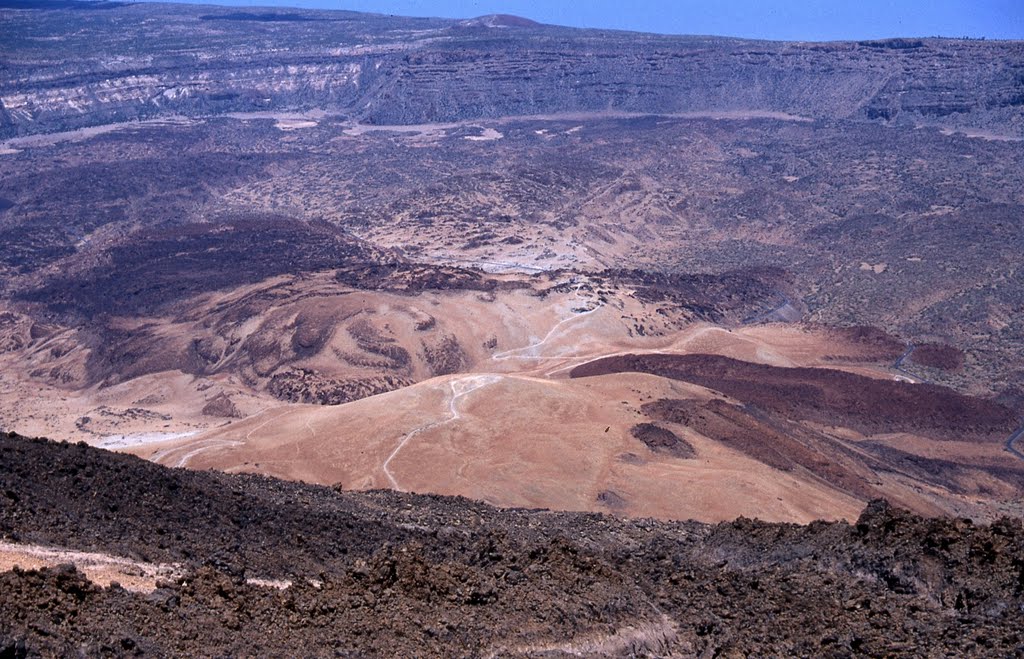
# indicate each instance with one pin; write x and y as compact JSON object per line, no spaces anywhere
{"x":663,"y":440}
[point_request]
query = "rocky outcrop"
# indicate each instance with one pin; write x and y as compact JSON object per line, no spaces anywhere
{"x":304,"y":386}
{"x":221,"y":405}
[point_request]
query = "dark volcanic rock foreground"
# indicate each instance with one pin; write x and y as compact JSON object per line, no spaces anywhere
{"x":391,"y":574}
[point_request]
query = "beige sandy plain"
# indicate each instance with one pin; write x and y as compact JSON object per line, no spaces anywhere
{"x":520,"y":433}
{"x":511,"y":430}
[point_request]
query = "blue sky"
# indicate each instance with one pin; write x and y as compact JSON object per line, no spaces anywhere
{"x":767,"y":19}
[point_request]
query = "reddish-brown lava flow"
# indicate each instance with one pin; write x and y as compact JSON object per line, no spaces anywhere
{"x":827,"y":396}
{"x":785,"y":446}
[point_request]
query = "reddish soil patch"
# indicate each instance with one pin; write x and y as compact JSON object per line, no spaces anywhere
{"x":828,"y":396}
{"x":662,"y":440}
{"x":938,"y":355}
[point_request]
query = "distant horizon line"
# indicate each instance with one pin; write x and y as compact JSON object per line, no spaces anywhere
{"x":307,"y":6}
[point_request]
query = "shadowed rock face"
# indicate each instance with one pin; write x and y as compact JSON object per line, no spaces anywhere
{"x":391,"y":70}
{"x":385,"y":574}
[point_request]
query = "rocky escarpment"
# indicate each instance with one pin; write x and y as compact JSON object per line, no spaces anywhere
{"x":385,"y":573}
{"x":391,"y":70}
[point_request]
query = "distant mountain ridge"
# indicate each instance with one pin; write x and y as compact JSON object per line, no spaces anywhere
{"x":499,"y":21}
{"x":111,"y":66}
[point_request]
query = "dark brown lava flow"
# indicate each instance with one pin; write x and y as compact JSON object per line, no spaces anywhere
{"x":387,"y":574}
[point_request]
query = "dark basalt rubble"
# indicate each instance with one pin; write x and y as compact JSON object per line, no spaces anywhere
{"x":945,"y":357}
{"x":386,"y":573}
{"x":417,"y":277}
{"x":160,"y":268}
{"x":724,"y":297}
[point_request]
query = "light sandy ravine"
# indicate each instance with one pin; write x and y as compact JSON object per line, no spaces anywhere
{"x":49,"y":139}
{"x":647,"y":636}
{"x":294,"y":124}
{"x":105,"y":569}
{"x":99,"y":568}
{"x":112,"y":442}
{"x":459,"y":388}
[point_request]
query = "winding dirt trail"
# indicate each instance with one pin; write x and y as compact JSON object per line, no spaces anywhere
{"x":221,"y":443}
{"x":459,"y":388}
{"x":218,"y":443}
{"x":530,"y":351}
{"x":202,"y":445}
